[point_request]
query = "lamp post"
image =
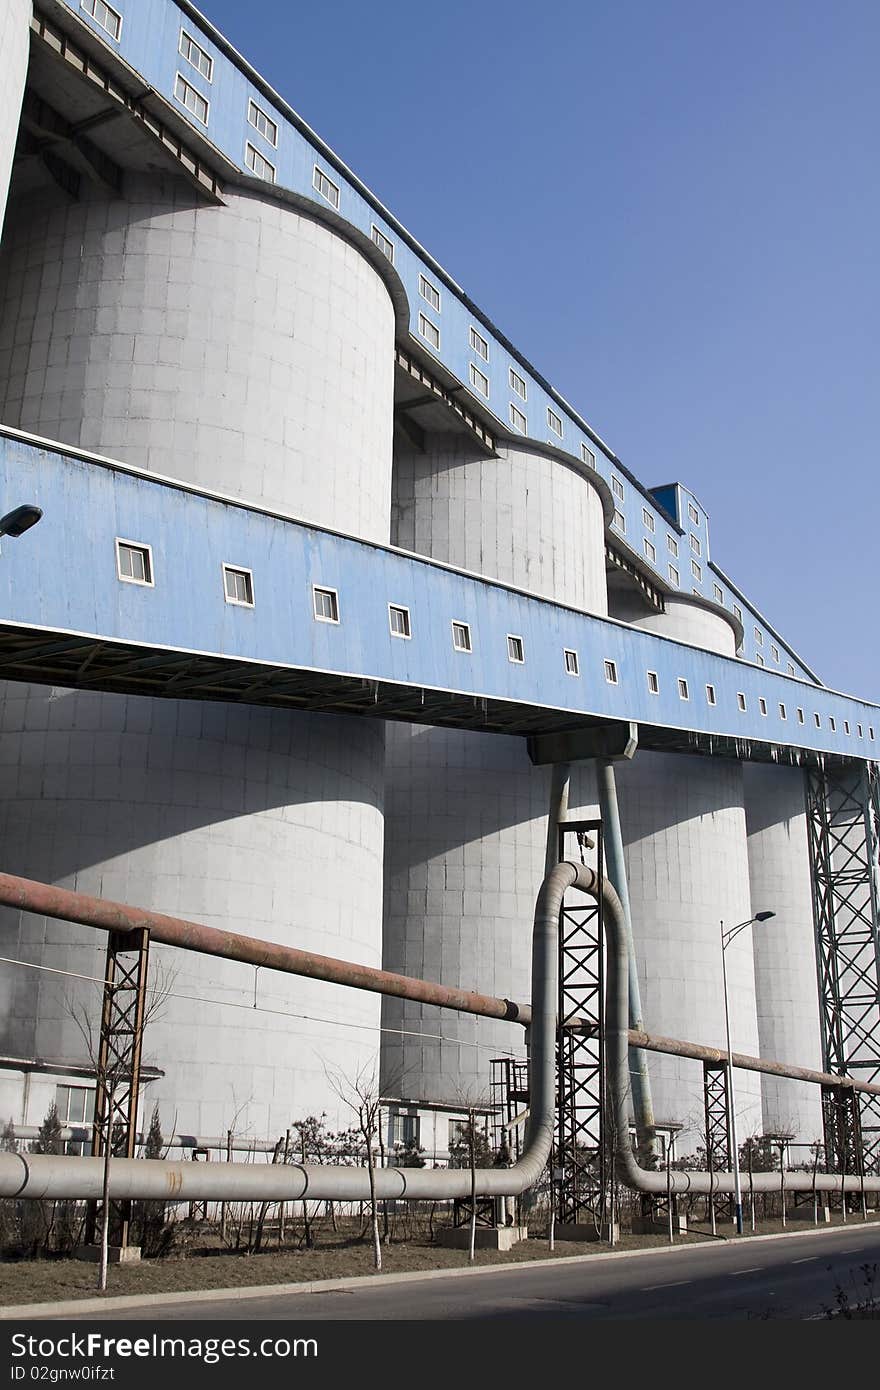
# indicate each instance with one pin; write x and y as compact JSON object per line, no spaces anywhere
{"x":726,"y":938}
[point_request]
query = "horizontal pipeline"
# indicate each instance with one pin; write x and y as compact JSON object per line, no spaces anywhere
{"x":27,"y":895}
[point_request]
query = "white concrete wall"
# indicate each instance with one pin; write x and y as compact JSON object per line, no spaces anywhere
{"x":687,"y":864}
{"x":244,"y":348}
{"x":785,"y":954}
{"x":247,"y":349}
{"x":685,"y":621}
{"x":15,"y":17}
{"x":466,"y":814}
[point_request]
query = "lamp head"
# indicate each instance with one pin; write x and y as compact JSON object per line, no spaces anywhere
{"x":764,"y":916}
{"x":19,"y":520}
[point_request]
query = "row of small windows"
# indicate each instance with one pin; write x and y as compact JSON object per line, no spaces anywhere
{"x":135,"y":566}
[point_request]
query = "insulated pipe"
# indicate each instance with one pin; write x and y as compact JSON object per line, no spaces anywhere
{"x":643,"y":1105}
{"x":617,"y":1049}
{"x":49,"y":1176}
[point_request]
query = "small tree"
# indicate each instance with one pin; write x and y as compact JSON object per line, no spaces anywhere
{"x":408,"y":1154}
{"x":8,"y":1140}
{"x":361,"y":1095}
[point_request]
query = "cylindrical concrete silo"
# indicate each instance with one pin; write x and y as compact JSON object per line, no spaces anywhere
{"x":785,"y":953}
{"x":14,"y":49}
{"x":246,"y":348}
{"x":684,"y":831}
{"x":466,"y":814}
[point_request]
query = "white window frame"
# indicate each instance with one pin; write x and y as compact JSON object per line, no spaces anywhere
{"x":587,"y":456}
{"x":697,"y":571}
{"x":790,"y":668}
{"x":800,"y":716}
{"x":653,"y":682}
{"x":258,"y":158}
{"x":249,"y":574}
{"x":695,"y":545}
{"x":783,"y":712}
{"x":432,"y":296}
{"x":189,"y":89}
{"x":479,"y":344}
{"x":683,"y":688}
{"x":832,"y":723}
{"x":742,"y":702}
{"x":466,"y":628}
{"x":617,"y":487}
{"x":774,"y":653}
{"x":846,"y":726}
{"x":512,"y":639}
{"x":399,"y":608}
{"x":711,"y":697}
{"x":759,"y":659}
{"x":554,"y":422}
{"x":859,"y":727}
{"x":383,"y":242}
{"x":479,"y":381}
{"x":517,"y":419}
{"x":254,"y":110}
{"x":674,"y":576}
{"x":573,"y":669}
{"x":759,"y":637}
{"x":611,"y":671}
{"x":762,"y":706}
{"x":737,"y":613}
{"x":672,"y":545}
{"x":319,"y":617}
{"x":650,"y":524}
{"x":693,"y":514}
{"x":650,"y":550}
{"x":319,"y":178}
{"x":518,"y":384}
{"x":90,"y":6}
{"x":718,"y":592}
{"x":425,"y":322}
{"x":870,"y":731}
{"x":619,"y":520}
{"x":817,"y":719}
{"x":203,"y":53}
{"x":145,"y":549}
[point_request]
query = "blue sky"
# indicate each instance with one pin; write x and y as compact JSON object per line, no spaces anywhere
{"x":673,"y":210}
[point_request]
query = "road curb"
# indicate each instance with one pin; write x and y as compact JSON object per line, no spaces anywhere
{"x":256,"y":1291}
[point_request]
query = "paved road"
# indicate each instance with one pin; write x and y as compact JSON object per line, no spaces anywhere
{"x":792,"y":1277}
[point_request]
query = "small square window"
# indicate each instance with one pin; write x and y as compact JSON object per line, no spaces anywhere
{"x":718,"y":593}
{"x":800,"y":716}
{"x":648,"y":520}
{"x":683,"y":692}
{"x":859,"y":727}
{"x":258,"y":164}
{"x":238,"y":586}
{"x":710,"y":695}
{"x":653,"y":683}
{"x":134,"y":562}
{"x":759,"y":637}
{"x":196,"y":55}
{"x":588,"y":457}
{"x":741,"y":701}
{"x":323,"y":184}
{"x":517,"y":384}
{"x":696,"y":571}
{"x":479,"y":345}
{"x":611,"y":672}
{"x":790,"y":668}
{"x":326,"y":604}
{"x":818,"y":719}
{"x":515,"y":649}
{"x":384,"y":243}
{"x":461,"y":637}
{"x":759,"y":659}
{"x":429,"y":292}
{"x":650,"y":552}
{"x":479,"y":381}
{"x":672,"y":545}
{"x":517,"y":419}
{"x":102,"y":14}
{"x":870,"y":731}
{"x":572,"y":665}
{"x":737,"y":613}
{"x":554,"y":421}
{"x":774,"y":652}
{"x":429,"y":331}
{"x":783,"y":712}
{"x":695,"y":544}
{"x":261,"y":121}
{"x":398,"y":620}
{"x":832,"y":723}
{"x":617,"y":487}
{"x":762,"y":704}
{"x":674,"y":575}
{"x":693,"y":514}
{"x":619,"y":520}
{"x":194,"y":102}
{"x":846,"y":726}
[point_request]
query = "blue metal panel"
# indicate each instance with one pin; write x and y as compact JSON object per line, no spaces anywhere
{"x":62,"y":578}
{"x":149,"y":43}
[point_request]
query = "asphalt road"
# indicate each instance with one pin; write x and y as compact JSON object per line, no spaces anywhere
{"x":795,"y":1276}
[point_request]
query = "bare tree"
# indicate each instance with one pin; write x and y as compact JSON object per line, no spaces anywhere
{"x":361,"y":1095}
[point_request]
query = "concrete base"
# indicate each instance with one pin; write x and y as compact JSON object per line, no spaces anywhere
{"x":485,"y":1238}
{"x":587,"y":1233}
{"x":116,"y":1255}
{"x":804,"y":1212}
{"x":659,"y":1226}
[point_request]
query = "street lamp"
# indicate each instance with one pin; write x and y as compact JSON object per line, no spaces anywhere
{"x":19,"y":520}
{"x":726,"y":937}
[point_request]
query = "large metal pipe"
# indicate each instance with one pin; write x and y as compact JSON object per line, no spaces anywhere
{"x":45,"y":1175}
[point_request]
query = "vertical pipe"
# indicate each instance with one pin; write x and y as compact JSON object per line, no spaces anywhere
{"x":640,"y":1081}
{"x":560,"y":777}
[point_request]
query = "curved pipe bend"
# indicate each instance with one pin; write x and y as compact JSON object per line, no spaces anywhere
{"x":77,"y":1178}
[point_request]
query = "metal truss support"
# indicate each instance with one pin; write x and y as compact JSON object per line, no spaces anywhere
{"x":486,"y":1211}
{"x":581,"y":1140}
{"x":716,"y":1103}
{"x":119,"y":1065}
{"x":509,"y":1093}
{"x":841,"y":1121}
{"x":843,"y":823}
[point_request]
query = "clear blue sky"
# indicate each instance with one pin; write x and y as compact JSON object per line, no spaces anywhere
{"x":673,"y":210}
